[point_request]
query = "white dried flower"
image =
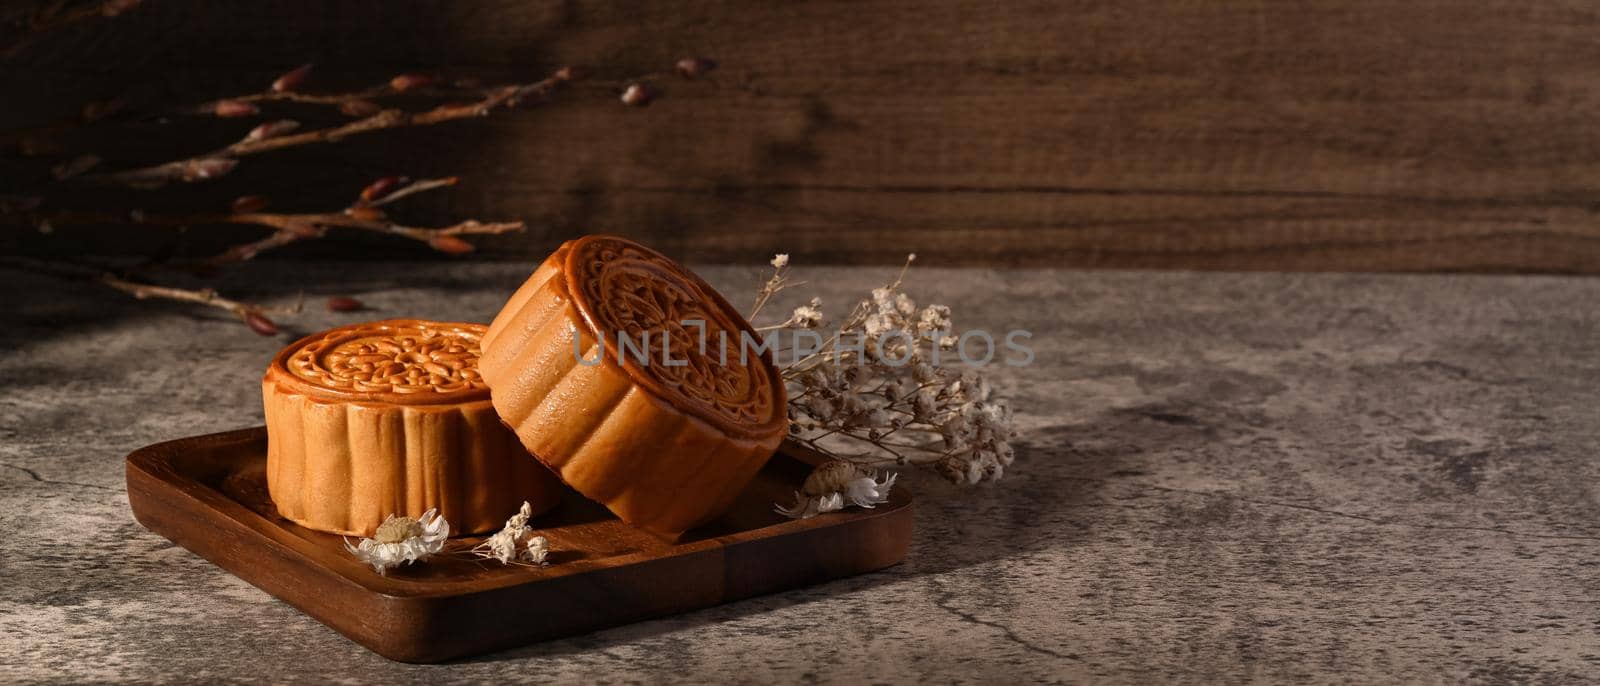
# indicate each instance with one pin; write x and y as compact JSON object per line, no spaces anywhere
{"x":834,"y":486}
{"x":874,"y":383}
{"x":402,"y":540}
{"x":780,"y":260}
{"x":892,"y":391}
{"x":807,"y":316}
{"x":904,"y":304}
{"x":537,"y":549}
{"x":502,"y":546}
{"x":879,"y":324}
{"x":820,"y":408}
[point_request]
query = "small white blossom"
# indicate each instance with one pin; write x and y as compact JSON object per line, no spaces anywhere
{"x":780,"y":260}
{"x":924,"y":406}
{"x":402,"y":540}
{"x":502,"y":546}
{"x":904,"y":304}
{"x":874,"y":383}
{"x":892,"y":391}
{"x":878,"y":324}
{"x":808,"y":316}
{"x":835,"y":486}
{"x":537,"y":549}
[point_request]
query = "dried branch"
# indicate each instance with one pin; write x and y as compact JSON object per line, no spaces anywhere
{"x":280,"y":134}
{"x":362,"y":215}
{"x":461,"y":100}
{"x":57,"y":14}
{"x":253,"y":316}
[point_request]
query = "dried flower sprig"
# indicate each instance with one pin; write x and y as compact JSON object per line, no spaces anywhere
{"x":502,"y":546}
{"x":874,"y":394}
{"x":835,"y":485}
{"x":402,"y":540}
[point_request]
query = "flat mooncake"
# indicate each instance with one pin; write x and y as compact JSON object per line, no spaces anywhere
{"x":392,"y":417}
{"x":666,"y":438}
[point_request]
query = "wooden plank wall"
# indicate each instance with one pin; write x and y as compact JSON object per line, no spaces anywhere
{"x":1210,"y":134}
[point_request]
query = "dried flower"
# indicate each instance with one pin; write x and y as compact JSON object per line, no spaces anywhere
{"x":502,"y":546}
{"x":887,"y":394}
{"x":835,"y":485}
{"x":780,"y":261}
{"x":537,"y":550}
{"x":401,"y":540}
{"x":808,"y":316}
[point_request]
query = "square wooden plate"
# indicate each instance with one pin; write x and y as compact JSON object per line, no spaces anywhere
{"x":208,"y":494}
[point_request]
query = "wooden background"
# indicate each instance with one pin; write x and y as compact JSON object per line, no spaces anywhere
{"x":1227,"y":134}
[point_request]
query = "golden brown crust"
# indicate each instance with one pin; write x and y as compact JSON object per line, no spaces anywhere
{"x":664,"y":451}
{"x":387,"y":418}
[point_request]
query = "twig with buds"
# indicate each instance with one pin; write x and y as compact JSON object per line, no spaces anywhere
{"x":254,"y":316}
{"x":57,"y":14}
{"x":284,"y":133}
{"x":367,"y":213}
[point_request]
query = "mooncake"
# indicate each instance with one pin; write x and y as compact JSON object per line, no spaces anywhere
{"x":392,"y":417}
{"x":664,"y":428}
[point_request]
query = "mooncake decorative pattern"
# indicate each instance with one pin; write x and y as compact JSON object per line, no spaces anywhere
{"x":648,"y":298}
{"x":397,"y":356}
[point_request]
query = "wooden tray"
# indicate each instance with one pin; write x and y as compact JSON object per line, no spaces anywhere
{"x":208,"y":494}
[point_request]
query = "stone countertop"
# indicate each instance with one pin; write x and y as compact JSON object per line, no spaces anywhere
{"x":1222,"y":477}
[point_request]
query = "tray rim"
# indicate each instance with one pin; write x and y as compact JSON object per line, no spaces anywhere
{"x":154,"y":462}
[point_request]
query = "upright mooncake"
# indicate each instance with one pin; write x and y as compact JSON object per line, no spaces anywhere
{"x":667,"y":439}
{"x":392,"y":417}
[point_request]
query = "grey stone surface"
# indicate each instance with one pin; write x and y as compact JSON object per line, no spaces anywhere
{"x":1224,"y":477}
